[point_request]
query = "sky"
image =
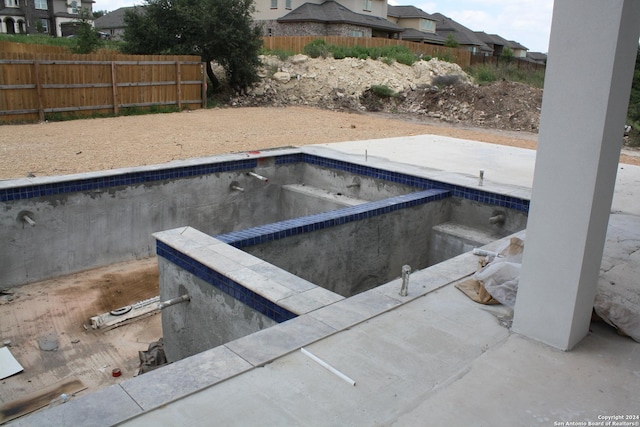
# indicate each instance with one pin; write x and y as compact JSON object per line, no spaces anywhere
{"x":527,"y":22}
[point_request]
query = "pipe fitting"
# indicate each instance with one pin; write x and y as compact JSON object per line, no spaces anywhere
{"x":27,"y":218}
{"x":236,"y":187}
{"x":174,"y":301}
{"x":498,"y":218}
{"x":260,"y":177}
{"x":404,"y":290}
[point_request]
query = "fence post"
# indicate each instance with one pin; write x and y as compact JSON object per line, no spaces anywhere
{"x":203,"y":67}
{"x":36,"y":72}
{"x":114,"y":87}
{"x":178,"y":88}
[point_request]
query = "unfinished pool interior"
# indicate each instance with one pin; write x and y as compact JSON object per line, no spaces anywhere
{"x":249,"y":279}
{"x":94,"y":219}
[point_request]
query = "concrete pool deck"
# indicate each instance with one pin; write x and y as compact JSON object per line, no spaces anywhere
{"x":436,"y":358}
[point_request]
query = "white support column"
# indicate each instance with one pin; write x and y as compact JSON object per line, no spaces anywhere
{"x":588,"y":80}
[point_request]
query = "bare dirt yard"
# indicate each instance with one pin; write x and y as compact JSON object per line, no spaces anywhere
{"x":61,"y":148}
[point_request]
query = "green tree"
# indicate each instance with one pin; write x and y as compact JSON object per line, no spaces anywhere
{"x":99,"y":13}
{"x":633,"y":113}
{"x":507,"y":52}
{"x":87,"y":39}
{"x":216,"y":30}
{"x":451,"y":41}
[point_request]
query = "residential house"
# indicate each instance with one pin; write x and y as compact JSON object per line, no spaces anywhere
{"x":539,"y":57}
{"x":350,"y":18}
{"x":112,"y":23}
{"x":518,"y":50}
{"x":40,"y":16}
{"x":465,"y":37}
{"x":419,"y":25}
{"x":494,"y":41}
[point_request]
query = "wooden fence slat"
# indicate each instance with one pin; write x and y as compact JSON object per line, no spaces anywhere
{"x":36,"y":72}
{"x":114,"y":88}
{"x":178,"y":89}
{"x":50,"y":81}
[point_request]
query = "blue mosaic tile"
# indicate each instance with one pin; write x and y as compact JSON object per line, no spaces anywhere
{"x":292,"y":227}
{"x":225,"y":284}
{"x":131,"y":178}
{"x":413,"y":181}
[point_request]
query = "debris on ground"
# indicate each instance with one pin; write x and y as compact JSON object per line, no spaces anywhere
{"x":153,"y":358}
{"x":431,"y":89}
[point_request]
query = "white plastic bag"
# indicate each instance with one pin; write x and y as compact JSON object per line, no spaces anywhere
{"x":500,"y":279}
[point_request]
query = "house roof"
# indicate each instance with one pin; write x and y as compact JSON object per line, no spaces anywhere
{"x":537,"y":56}
{"x":491,"y":39}
{"x":462,"y":34}
{"x":333,"y":12}
{"x":412,"y":34}
{"x":516,"y":45}
{"x":407,"y":12}
{"x":114,"y":19}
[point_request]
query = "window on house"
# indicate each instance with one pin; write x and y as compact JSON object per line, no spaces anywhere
{"x":287,"y":4}
{"x":367,"y":5}
{"x":41,"y":4}
{"x":45,"y":25}
{"x":427,"y":25}
{"x":274,"y":4}
{"x":356,"y":33}
{"x":73,"y":7}
{"x":11,"y":3}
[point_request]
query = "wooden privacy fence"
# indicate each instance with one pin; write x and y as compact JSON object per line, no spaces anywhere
{"x":296,"y":44}
{"x":35,"y":85}
{"x":497,"y":60}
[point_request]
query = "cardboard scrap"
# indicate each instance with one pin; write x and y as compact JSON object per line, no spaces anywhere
{"x":8,"y":364}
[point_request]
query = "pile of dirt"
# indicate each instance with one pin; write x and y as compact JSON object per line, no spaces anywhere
{"x":430,"y":89}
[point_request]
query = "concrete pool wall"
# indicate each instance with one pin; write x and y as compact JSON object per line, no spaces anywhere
{"x":251,"y":285}
{"x":53,"y":226}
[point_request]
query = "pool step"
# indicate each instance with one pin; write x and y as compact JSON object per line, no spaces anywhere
{"x":338,"y":200}
{"x":451,"y":239}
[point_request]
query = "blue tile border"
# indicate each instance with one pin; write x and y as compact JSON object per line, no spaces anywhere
{"x":130,"y":178}
{"x":225,"y":284}
{"x":410,"y":180}
{"x":306,"y":224}
{"x":133,"y":178}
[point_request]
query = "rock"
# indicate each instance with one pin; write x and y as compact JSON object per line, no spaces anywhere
{"x":49,"y":342}
{"x":281,"y":77}
{"x":299,"y":59}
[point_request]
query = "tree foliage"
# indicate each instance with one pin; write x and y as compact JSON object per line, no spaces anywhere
{"x":216,"y":30}
{"x":451,"y":41}
{"x":87,"y":39}
{"x":633,"y":113}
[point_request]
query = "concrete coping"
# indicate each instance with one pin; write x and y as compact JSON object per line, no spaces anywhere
{"x":208,"y":368}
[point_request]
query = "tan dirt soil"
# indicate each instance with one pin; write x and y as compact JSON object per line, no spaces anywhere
{"x":61,"y":148}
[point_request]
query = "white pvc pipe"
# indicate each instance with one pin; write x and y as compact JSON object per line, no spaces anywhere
{"x":260,"y":177}
{"x":327,"y":366}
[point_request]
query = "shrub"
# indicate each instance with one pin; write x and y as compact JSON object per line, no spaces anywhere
{"x":280,"y":53}
{"x":448,"y":80}
{"x":317,"y":48}
{"x":406,"y":58}
{"x":383,"y":91}
{"x":387,"y":60}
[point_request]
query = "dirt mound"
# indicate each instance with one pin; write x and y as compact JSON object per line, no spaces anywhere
{"x":500,"y":105}
{"x":430,"y":89}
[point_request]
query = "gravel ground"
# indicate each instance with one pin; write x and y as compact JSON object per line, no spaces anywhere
{"x":61,"y":148}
